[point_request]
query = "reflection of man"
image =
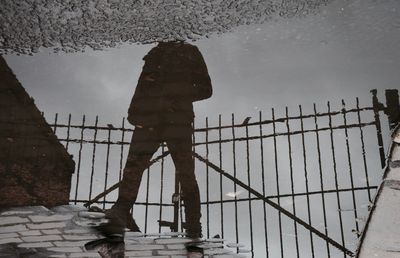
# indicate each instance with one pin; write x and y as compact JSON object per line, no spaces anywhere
{"x":173,"y":77}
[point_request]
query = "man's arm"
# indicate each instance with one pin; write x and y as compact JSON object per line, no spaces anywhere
{"x":202,"y":88}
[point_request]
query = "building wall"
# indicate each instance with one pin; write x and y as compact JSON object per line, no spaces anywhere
{"x":35,"y":168}
{"x":380,"y":237}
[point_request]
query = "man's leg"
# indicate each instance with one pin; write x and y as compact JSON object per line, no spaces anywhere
{"x":181,"y":152}
{"x":143,"y":145}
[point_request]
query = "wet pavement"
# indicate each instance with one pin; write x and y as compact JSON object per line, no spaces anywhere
{"x":65,"y":230}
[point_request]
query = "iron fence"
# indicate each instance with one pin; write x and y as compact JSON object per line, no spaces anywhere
{"x":296,"y":183}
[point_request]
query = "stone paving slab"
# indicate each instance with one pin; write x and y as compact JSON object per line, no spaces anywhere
{"x":56,"y":217}
{"x":41,"y":238}
{"x":10,"y":240}
{"x":30,"y":233}
{"x":8,"y":235}
{"x":80,"y":237}
{"x":7,"y":220}
{"x":14,"y":228}
{"x":36,"y":245}
{"x":62,"y":232}
{"x":71,"y":249}
{"x":51,"y":231}
{"x":176,"y":246}
{"x":48,"y":225}
{"x":84,"y":254}
{"x":15,"y":212}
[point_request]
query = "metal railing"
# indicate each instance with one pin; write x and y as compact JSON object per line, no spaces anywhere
{"x":287,"y":184}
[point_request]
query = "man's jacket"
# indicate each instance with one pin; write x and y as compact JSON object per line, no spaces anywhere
{"x":173,"y":77}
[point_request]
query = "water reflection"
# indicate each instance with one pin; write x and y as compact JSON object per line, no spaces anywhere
{"x":173,"y":77}
{"x":109,"y":247}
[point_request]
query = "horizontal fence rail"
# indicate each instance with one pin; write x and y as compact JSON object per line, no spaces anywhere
{"x":286,"y":184}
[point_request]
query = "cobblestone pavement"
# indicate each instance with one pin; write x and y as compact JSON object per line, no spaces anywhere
{"x":64,"y":230}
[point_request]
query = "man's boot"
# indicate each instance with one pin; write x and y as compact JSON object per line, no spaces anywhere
{"x":193,"y":230}
{"x":120,"y":218}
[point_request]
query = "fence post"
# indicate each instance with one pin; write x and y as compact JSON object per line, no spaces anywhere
{"x":377,"y":106}
{"x":392,"y":107}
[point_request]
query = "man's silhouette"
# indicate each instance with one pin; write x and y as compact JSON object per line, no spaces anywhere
{"x":173,"y":77}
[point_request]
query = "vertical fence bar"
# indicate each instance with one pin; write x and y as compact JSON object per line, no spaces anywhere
{"x":107,"y":164}
{"x":235,"y":176}
{"x":277,"y":181}
{"x":321,"y":177}
{"x":306,"y":178}
{"x":292,"y":180}
{"x":353,"y":194}
{"x":181,"y":207}
{"x":55,"y":123}
{"x":161,"y":186}
{"x":363,"y":150}
{"x":220,"y":176}
{"x":263,"y":184}
{"x":336,"y":178}
{"x":93,"y":157}
{"x":68,"y":131}
{"x":249,"y":184}
{"x":121,"y":157}
{"x":377,"y":107}
{"x":79,"y":160}
{"x":207,"y":183}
